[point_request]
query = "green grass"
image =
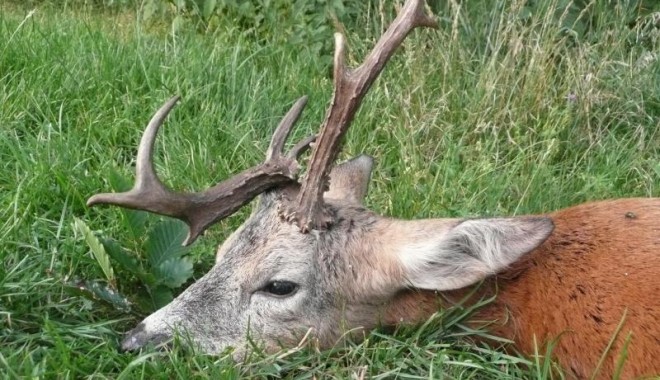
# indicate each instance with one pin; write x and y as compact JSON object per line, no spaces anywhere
{"x":489,"y":115}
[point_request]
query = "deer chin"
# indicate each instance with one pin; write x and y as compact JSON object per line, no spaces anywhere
{"x":162,"y":336}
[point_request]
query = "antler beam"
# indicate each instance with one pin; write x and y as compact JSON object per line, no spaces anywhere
{"x":350,"y":86}
{"x":200,"y":210}
{"x":305,"y":207}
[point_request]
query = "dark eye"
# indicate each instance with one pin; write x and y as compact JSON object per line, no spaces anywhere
{"x":280,"y":288}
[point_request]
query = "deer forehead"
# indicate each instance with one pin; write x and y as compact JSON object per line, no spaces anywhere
{"x":356,"y":255}
{"x":263,"y":243}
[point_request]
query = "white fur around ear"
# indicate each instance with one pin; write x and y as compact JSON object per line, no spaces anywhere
{"x":470,"y":251}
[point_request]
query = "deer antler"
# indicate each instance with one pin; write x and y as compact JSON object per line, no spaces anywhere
{"x":200,"y":210}
{"x":350,"y":86}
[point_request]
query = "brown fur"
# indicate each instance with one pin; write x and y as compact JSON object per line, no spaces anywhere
{"x":599,"y":268}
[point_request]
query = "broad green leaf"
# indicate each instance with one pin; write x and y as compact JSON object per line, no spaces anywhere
{"x":164,"y":242}
{"x":174,"y":272}
{"x":208,"y":8}
{"x":96,"y":290}
{"x":149,"y":278}
{"x":121,"y":256}
{"x":96,"y":247}
{"x":161,"y":296}
{"x":128,"y":261}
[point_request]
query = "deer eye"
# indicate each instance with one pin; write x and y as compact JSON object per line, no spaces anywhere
{"x":280,"y":288}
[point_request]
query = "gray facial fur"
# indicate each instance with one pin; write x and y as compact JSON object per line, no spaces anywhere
{"x":218,"y":310}
{"x":221,"y":307}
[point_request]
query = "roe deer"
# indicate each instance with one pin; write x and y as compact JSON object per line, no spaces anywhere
{"x":312,"y":257}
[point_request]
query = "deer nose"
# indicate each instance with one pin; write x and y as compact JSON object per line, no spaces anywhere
{"x":140,"y":337}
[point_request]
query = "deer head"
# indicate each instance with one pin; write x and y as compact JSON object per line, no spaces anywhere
{"x":311,"y":257}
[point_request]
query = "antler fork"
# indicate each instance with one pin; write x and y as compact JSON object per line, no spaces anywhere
{"x":202,"y":209}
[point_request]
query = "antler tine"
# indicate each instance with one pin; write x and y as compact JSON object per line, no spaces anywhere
{"x":284,"y":128}
{"x":350,"y":86}
{"x":201,"y":210}
{"x":301,"y":146}
{"x":146,"y":180}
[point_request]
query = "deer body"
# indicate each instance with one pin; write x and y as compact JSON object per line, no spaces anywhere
{"x":311,"y":257}
{"x":595,"y":279}
{"x":573,"y":276}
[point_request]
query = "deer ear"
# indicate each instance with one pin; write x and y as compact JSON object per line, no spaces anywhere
{"x":469,"y":251}
{"x":349,"y":181}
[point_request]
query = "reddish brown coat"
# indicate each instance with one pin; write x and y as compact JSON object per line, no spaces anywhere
{"x":600,"y":268}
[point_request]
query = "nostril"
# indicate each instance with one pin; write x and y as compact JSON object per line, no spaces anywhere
{"x":140,"y":337}
{"x":134,"y":339}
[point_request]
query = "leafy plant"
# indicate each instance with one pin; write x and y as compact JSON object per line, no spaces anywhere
{"x":151,"y":264}
{"x":307,"y":22}
{"x":579,"y":18}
